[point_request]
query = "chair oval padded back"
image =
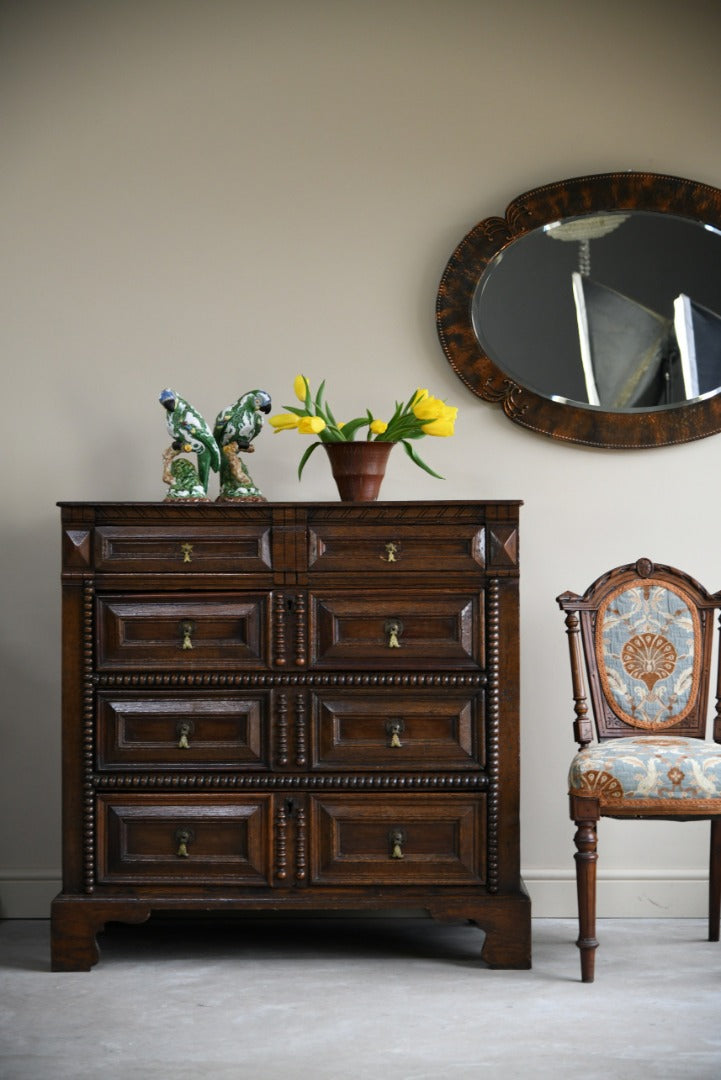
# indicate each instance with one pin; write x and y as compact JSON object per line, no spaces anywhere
{"x":648,"y":653}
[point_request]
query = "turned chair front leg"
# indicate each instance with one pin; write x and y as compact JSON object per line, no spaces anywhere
{"x":586,"y":857}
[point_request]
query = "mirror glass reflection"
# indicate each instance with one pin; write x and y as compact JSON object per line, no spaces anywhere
{"x":619,"y":311}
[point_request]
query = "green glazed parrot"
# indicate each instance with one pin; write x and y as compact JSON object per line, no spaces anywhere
{"x":234,"y":430}
{"x":190,"y":433}
{"x":242,"y":420}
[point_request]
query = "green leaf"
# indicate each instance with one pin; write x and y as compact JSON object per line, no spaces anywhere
{"x":331,"y":433}
{"x":308,"y":451}
{"x":419,"y":461}
{"x":352,"y":426}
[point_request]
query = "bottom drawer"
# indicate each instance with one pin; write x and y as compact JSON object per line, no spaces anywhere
{"x":184,"y":838}
{"x":398,"y":840}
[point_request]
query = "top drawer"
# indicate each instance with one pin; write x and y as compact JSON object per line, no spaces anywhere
{"x":195,"y":549}
{"x":410,"y":547}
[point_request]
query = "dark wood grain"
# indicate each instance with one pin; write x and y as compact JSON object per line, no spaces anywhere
{"x":284,"y":754}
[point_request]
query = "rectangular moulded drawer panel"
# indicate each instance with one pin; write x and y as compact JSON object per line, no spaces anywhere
{"x":181,"y":631}
{"x":389,"y":730}
{"x":406,"y":629}
{"x":396,"y":548}
{"x":172,"y":732}
{"x":192,"y":549}
{"x":398,"y":839}
{"x":196,"y":839}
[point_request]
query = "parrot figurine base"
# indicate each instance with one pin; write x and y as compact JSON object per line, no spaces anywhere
{"x":182,"y":479}
{"x":236,"y":483}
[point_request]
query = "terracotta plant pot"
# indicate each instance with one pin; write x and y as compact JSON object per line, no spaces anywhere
{"x":358,"y":468}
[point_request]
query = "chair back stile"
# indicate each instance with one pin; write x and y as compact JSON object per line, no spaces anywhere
{"x":582,"y":726}
{"x":716,"y":730}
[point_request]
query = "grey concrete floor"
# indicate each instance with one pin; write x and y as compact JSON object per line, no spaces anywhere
{"x":354,"y":999}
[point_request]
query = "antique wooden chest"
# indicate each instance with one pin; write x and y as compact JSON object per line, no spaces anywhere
{"x":299,"y":706}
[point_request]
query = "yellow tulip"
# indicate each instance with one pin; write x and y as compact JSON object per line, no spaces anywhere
{"x":299,"y":386}
{"x":310,"y":425}
{"x":418,"y":396}
{"x":443,"y":427}
{"x":283,"y":422}
{"x":378,"y":427}
{"x":429,"y":408}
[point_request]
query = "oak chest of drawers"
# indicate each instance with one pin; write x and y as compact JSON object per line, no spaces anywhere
{"x":300,"y":706}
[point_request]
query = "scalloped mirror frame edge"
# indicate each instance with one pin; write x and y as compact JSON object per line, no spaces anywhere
{"x":540,"y":206}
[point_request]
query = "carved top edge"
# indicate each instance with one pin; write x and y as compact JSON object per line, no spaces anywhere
{"x":455,"y":508}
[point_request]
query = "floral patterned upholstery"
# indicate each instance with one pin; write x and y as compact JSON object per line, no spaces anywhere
{"x":649,"y":772}
{"x":648,"y":654}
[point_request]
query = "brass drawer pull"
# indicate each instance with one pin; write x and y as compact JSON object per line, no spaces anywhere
{"x":392,"y":552}
{"x":186,"y":629}
{"x":397,"y":839}
{"x":184,"y":729}
{"x":395,"y":728}
{"x":183,"y":837}
{"x":393,"y":628}
{"x":186,"y":550}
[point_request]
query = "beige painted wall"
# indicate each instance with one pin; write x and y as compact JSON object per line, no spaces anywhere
{"x":218,"y":195}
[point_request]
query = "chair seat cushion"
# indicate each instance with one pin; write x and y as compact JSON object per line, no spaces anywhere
{"x":649,"y":773}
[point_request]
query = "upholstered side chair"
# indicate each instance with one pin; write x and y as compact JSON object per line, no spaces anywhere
{"x":643,"y":635}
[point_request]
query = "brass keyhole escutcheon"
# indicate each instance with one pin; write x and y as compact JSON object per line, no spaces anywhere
{"x":393,"y":628}
{"x":397,"y":839}
{"x":186,"y":550}
{"x":186,"y":629}
{"x":395,"y":728}
{"x":183,"y":837}
{"x":392,"y":552}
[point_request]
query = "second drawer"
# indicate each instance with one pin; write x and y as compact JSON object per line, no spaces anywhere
{"x":182,"y":631}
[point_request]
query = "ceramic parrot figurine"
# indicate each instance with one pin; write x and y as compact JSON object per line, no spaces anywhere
{"x":234,"y":430}
{"x":190,"y":434}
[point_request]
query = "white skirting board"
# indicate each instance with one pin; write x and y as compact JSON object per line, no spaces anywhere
{"x":27,"y":894}
{"x":622,"y":894}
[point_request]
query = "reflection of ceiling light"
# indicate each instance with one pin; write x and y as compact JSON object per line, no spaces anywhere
{"x":587,"y":228}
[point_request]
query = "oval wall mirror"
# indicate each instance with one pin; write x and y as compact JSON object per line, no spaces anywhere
{"x":592,"y":311}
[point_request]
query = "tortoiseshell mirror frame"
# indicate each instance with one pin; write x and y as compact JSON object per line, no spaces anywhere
{"x":554,"y":202}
